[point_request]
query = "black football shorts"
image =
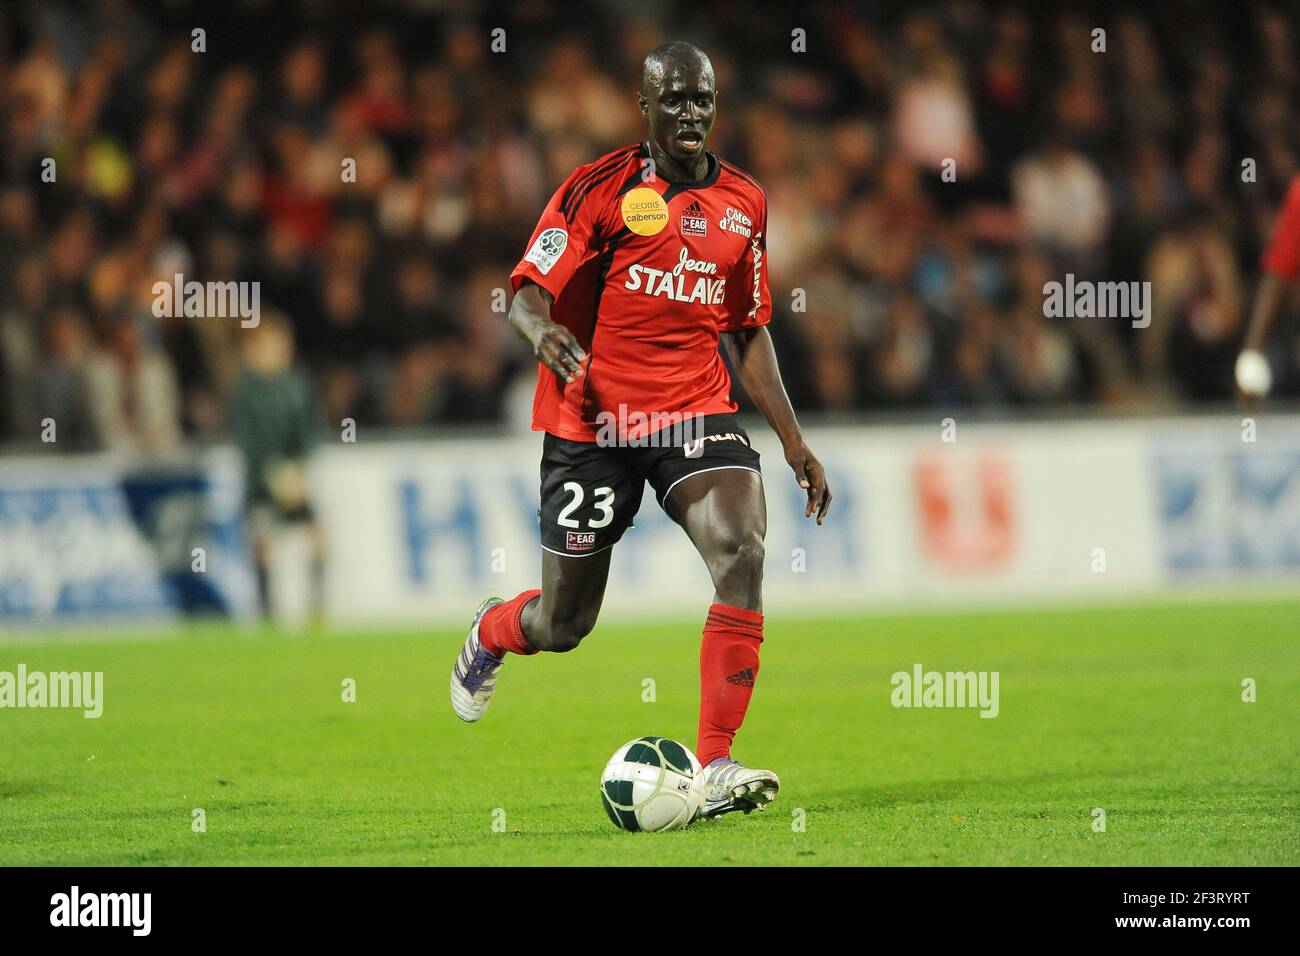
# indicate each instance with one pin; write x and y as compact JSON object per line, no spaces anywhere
{"x":591,"y":492}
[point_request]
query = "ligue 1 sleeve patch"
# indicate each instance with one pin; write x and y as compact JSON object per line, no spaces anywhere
{"x":548,"y":248}
{"x":644,"y":211}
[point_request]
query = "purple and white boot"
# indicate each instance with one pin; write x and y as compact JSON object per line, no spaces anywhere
{"x":474,"y":677}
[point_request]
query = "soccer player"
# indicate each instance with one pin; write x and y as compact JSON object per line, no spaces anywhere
{"x":274,"y":417}
{"x":1281,"y":267}
{"x":644,"y":261}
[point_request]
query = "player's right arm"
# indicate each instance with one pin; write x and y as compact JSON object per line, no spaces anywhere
{"x":571,"y":230}
{"x":553,"y":344}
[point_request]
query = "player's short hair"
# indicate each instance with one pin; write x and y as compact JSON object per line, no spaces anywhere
{"x":661,"y":58}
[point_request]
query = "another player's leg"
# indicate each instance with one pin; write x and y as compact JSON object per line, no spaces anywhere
{"x":725,"y":514}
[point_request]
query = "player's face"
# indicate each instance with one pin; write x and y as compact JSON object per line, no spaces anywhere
{"x":680,"y":111}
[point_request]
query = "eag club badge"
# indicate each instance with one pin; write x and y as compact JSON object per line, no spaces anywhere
{"x":694,"y":222}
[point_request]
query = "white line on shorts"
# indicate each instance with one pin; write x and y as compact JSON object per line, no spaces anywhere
{"x":702,"y":471}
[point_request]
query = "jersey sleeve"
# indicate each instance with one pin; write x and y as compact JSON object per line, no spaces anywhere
{"x":1282,"y":257}
{"x":749,"y":304}
{"x":566,"y":235}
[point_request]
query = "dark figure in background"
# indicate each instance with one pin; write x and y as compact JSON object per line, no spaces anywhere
{"x":274,"y":420}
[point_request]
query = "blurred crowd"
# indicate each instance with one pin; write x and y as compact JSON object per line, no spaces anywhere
{"x":895,"y":285}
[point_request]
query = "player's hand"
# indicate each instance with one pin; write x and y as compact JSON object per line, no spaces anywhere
{"x":810,"y":474}
{"x":1254,"y":379}
{"x":557,"y":349}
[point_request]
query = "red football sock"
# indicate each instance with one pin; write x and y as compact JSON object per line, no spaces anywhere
{"x":728,"y":667}
{"x":500,"y":629}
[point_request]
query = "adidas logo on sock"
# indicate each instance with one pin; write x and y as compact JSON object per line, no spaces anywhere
{"x":744,"y":678}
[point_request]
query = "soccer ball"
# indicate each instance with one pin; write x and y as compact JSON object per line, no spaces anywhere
{"x":653,"y":784}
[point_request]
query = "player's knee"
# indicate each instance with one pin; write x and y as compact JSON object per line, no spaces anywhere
{"x":565,"y":634}
{"x":740,"y":557}
{"x":749,"y":558}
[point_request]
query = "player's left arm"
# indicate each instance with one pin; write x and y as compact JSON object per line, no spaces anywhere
{"x":754,"y":360}
{"x":748,"y":347}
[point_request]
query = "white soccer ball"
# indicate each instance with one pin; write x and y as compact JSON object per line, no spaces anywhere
{"x":652,"y":784}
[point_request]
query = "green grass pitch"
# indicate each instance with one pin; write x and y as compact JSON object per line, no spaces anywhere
{"x":1134,"y":710}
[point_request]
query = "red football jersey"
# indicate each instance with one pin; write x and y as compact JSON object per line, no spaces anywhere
{"x":646,"y":274}
{"x":1282,"y":257}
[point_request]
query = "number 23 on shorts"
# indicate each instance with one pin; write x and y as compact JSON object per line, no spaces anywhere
{"x":603,"y":503}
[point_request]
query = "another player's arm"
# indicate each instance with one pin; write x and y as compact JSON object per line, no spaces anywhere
{"x":1281,"y":265}
{"x":754,"y":360}
{"x":1268,"y":301}
{"x":553,"y":344}
{"x":1269,"y":296}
